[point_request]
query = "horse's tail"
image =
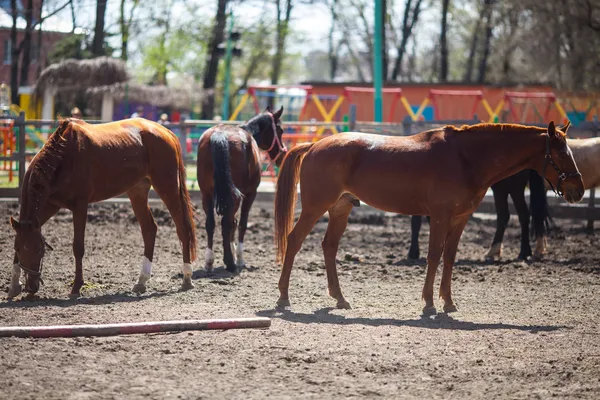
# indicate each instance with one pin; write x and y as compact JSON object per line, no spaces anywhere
{"x":187,"y":206}
{"x":540,"y":215}
{"x":285,"y":196}
{"x":225,"y":191}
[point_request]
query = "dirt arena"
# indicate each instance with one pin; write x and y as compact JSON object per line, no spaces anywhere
{"x":523,"y":330}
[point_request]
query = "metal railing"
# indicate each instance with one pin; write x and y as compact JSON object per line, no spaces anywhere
{"x":185,"y":129}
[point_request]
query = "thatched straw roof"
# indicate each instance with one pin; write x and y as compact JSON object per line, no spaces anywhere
{"x":160,"y":96}
{"x":79,"y":74}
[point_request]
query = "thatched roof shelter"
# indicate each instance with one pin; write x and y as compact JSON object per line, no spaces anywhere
{"x":80,"y":74}
{"x":160,"y":96}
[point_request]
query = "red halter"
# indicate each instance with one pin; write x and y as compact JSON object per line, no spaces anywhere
{"x":281,"y":147}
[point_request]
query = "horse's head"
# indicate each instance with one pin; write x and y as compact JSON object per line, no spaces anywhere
{"x":30,"y":247}
{"x":564,"y":176}
{"x":271,"y":136}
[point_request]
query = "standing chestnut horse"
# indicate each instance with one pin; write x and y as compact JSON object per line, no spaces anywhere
{"x":229,"y":170}
{"x":83,"y":163}
{"x":443,"y":173}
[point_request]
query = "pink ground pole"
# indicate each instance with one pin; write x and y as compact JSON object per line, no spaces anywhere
{"x":133,"y":328}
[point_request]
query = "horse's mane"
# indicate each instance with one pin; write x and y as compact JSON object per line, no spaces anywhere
{"x":42,"y":172}
{"x":508,"y":128}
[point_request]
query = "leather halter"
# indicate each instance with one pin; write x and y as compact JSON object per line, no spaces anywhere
{"x":281,"y":148}
{"x":562,"y":176}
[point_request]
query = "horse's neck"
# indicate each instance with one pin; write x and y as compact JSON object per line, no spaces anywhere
{"x":40,"y":179}
{"x":253,"y":127}
{"x":494,"y":156}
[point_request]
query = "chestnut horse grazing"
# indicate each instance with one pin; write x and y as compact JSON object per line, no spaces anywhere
{"x":83,"y":163}
{"x":443,"y":173}
{"x":229,"y":174}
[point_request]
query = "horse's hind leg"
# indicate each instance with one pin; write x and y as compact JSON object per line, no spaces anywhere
{"x":502,"y":215}
{"x":518,"y":197}
{"x":79,"y":221}
{"x":302,"y":228}
{"x":246,"y":205}
{"x":208,"y":205}
{"x":228,"y":230}
{"x":167,"y":187}
{"x":338,"y":220}
{"x":138,"y":196}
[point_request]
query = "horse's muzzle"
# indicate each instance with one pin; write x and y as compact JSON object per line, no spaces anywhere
{"x":32,"y":284}
{"x":573,"y":195}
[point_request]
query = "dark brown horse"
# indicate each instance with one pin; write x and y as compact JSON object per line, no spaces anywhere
{"x":83,"y":163}
{"x":443,"y":173}
{"x":229,"y":171}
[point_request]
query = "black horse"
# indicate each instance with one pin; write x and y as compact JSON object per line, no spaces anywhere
{"x":515,"y":187}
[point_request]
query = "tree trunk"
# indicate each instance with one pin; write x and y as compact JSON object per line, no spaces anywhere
{"x":486,"y":45}
{"x":333,"y":56}
{"x":282,"y":32}
{"x":26,"y":44}
{"x":384,"y":55}
{"x":444,"y":43}
{"x":124,"y":32}
{"x":98,"y":43}
{"x":473,"y":49}
{"x":212,"y":62}
{"x":73,"y":18}
{"x":407,"y":28}
{"x":14,"y":64}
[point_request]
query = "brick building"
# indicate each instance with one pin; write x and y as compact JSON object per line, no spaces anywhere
{"x":39,"y":56}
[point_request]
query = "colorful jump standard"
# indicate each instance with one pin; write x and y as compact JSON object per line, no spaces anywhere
{"x":133,"y":328}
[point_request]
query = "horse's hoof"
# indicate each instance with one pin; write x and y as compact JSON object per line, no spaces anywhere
{"x":187,"y":284}
{"x":14,"y":291}
{"x":450,"y":308}
{"x":74,"y":295}
{"x":429,"y":310}
{"x":343,"y":305}
{"x":283,"y":305}
{"x":138,"y":288}
{"x":413,"y":255}
{"x":208,"y":268}
{"x":231,"y":268}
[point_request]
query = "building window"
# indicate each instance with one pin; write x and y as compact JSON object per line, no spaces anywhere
{"x":7,"y":52}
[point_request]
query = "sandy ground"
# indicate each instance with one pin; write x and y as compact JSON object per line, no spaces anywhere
{"x":523,"y":330}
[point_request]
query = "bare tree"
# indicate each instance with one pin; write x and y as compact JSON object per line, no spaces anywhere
{"x":411,"y":17}
{"x":98,"y":42}
{"x":443,"y":42}
{"x":212,"y":61}
{"x":125,"y":25}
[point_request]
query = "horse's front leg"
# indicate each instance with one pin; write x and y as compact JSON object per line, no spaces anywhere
{"x":16,"y":287}
{"x":79,"y":221}
{"x":450,"y":248}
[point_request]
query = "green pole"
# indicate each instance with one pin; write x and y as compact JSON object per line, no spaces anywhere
{"x":227,"y":69}
{"x":377,"y":68}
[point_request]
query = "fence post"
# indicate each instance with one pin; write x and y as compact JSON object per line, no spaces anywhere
{"x":352,"y":118}
{"x":183,"y":140}
{"x":591,"y":202}
{"x":20,"y":123}
{"x":407,"y":125}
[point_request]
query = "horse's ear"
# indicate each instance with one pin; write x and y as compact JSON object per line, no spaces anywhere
{"x":567,"y":125}
{"x":15,"y":224}
{"x":268,"y":109}
{"x":551,"y":129}
{"x":277,"y":115}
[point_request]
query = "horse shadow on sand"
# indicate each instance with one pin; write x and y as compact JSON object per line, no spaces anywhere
{"x":439,"y":321}
{"x":109,"y":298}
